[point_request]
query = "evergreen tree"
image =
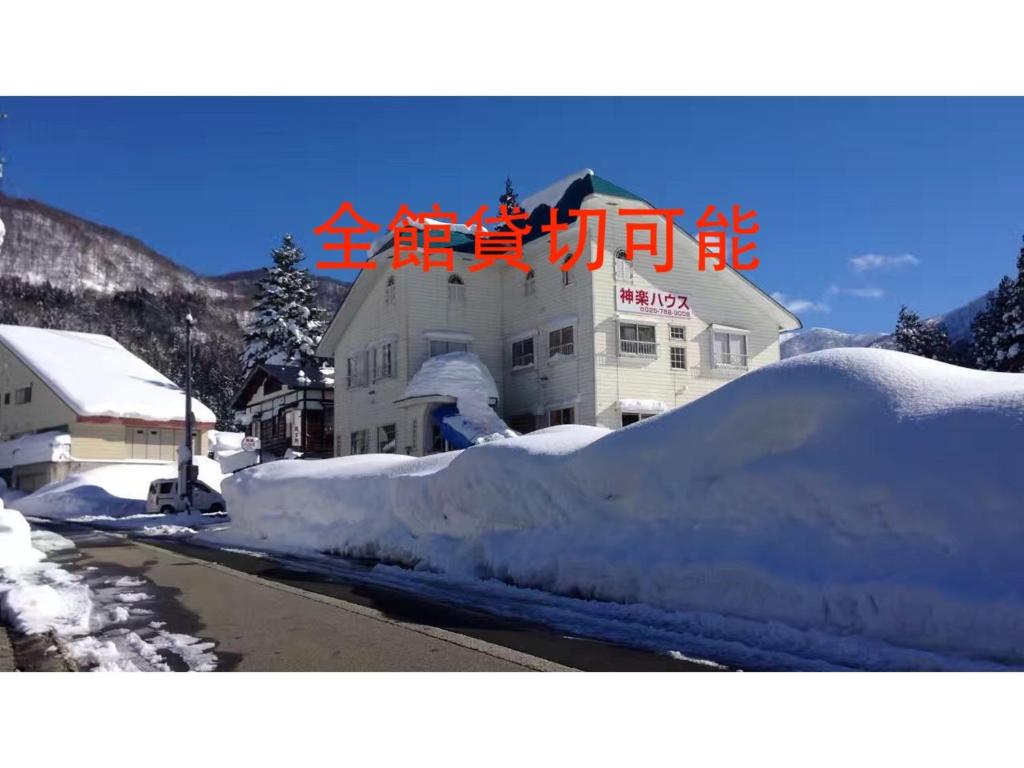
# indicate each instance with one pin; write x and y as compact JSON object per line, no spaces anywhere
{"x":1008,"y":336}
{"x":287,"y":324}
{"x":987,"y":326}
{"x":511,"y":198}
{"x":918,"y":337}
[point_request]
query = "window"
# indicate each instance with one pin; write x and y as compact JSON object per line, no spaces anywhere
{"x":633,"y":418}
{"x":522,"y":353}
{"x":730,"y":350}
{"x":7,"y":398}
{"x":567,"y":276}
{"x":359,"y":442}
{"x":623,"y":265}
{"x":562,"y":416}
{"x":530,"y":284}
{"x":677,"y":357}
{"x":386,"y":439}
{"x":677,"y":352}
{"x":523,"y":423}
{"x":389,"y":291}
{"x":357,"y":370}
{"x":442,"y":347}
{"x":165,"y":488}
{"x":456,"y":290}
{"x":23,"y":395}
{"x":560,"y":342}
{"x":383,"y":367}
{"x":636,"y":339}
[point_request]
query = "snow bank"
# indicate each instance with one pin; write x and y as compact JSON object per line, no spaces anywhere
{"x":853,"y":493}
{"x":463,"y":376}
{"x":16,"y":540}
{"x":112,"y":491}
{"x":96,"y":376}
{"x":41,"y":447}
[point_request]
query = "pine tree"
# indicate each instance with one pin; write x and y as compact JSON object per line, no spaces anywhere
{"x":987,"y":326}
{"x":287,"y":324}
{"x":918,"y":337}
{"x":511,"y":198}
{"x":1008,"y":323}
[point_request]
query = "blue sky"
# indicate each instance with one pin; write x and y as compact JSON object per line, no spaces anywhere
{"x":932,"y":190}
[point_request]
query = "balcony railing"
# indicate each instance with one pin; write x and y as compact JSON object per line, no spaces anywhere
{"x":642,"y":348}
{"x":731,"y":360}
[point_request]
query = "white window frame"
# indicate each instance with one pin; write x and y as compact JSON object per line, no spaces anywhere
{"x":361,"y":438}
{"x":530,"y":284}
{"x":532,"y":354}
{"x":394,"y":438}
{"x":637,"y":347}
{"x":623,"y":266}
{"x":677,"y":345}
{"x":456,"y":290}
{"x":723,"y":339}
{"x":357,"y":372}
{"x":449,"y":342}
{"x":567,"y":276}
{"x":380,"y":352}
{"x":560,"y":348}
{"x":389,"y":291}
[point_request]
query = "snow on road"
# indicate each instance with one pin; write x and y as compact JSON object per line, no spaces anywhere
{"x":98,"y":623}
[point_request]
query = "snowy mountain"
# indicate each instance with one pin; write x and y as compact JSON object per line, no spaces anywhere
{"x":957,"y":322}
{"x":47,"y":245}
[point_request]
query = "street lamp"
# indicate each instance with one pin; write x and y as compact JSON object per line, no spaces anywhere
{"x":186,"y":470}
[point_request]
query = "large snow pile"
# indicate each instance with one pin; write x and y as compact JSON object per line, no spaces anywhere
{"x":96,"y":376}
{"x":463,"y":376}
{"x":112,"y":491}
{"x":39,"y":447}
{"x":852,"y":493}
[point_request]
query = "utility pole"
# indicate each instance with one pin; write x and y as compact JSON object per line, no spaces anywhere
{"x":186,"y":469}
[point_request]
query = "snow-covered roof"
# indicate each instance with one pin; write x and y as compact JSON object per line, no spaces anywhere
{"x":96,"y":376}
{"x":552,"y":193}
{"x":39,"y":447}
{"x":456,"y":374}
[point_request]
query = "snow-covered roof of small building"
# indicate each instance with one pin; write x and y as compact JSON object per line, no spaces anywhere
{"x":96,"y":376}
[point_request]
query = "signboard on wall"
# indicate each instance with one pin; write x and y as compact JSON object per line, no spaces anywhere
{"x":645,"y":301}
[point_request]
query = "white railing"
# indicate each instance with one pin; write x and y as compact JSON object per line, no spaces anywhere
{"x":731,"y":360}
{"x":643,"y":348}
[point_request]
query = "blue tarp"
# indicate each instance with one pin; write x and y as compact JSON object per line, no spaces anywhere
{"x":455,"y":438}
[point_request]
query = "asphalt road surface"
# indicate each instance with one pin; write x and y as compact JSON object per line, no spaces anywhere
{"x":266,"y":615}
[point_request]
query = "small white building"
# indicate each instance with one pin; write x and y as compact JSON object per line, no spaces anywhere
{"x":562,"y":347}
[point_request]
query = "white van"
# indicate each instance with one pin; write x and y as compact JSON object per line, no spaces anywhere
{"x":163,"y":498}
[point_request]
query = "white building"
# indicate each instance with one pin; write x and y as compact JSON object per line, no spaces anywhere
{"x":562,"y":347}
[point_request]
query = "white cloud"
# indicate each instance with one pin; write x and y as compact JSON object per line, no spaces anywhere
{"x":859,"y":293}
{"x":799,"y":305}
{"x":871,"y":261}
